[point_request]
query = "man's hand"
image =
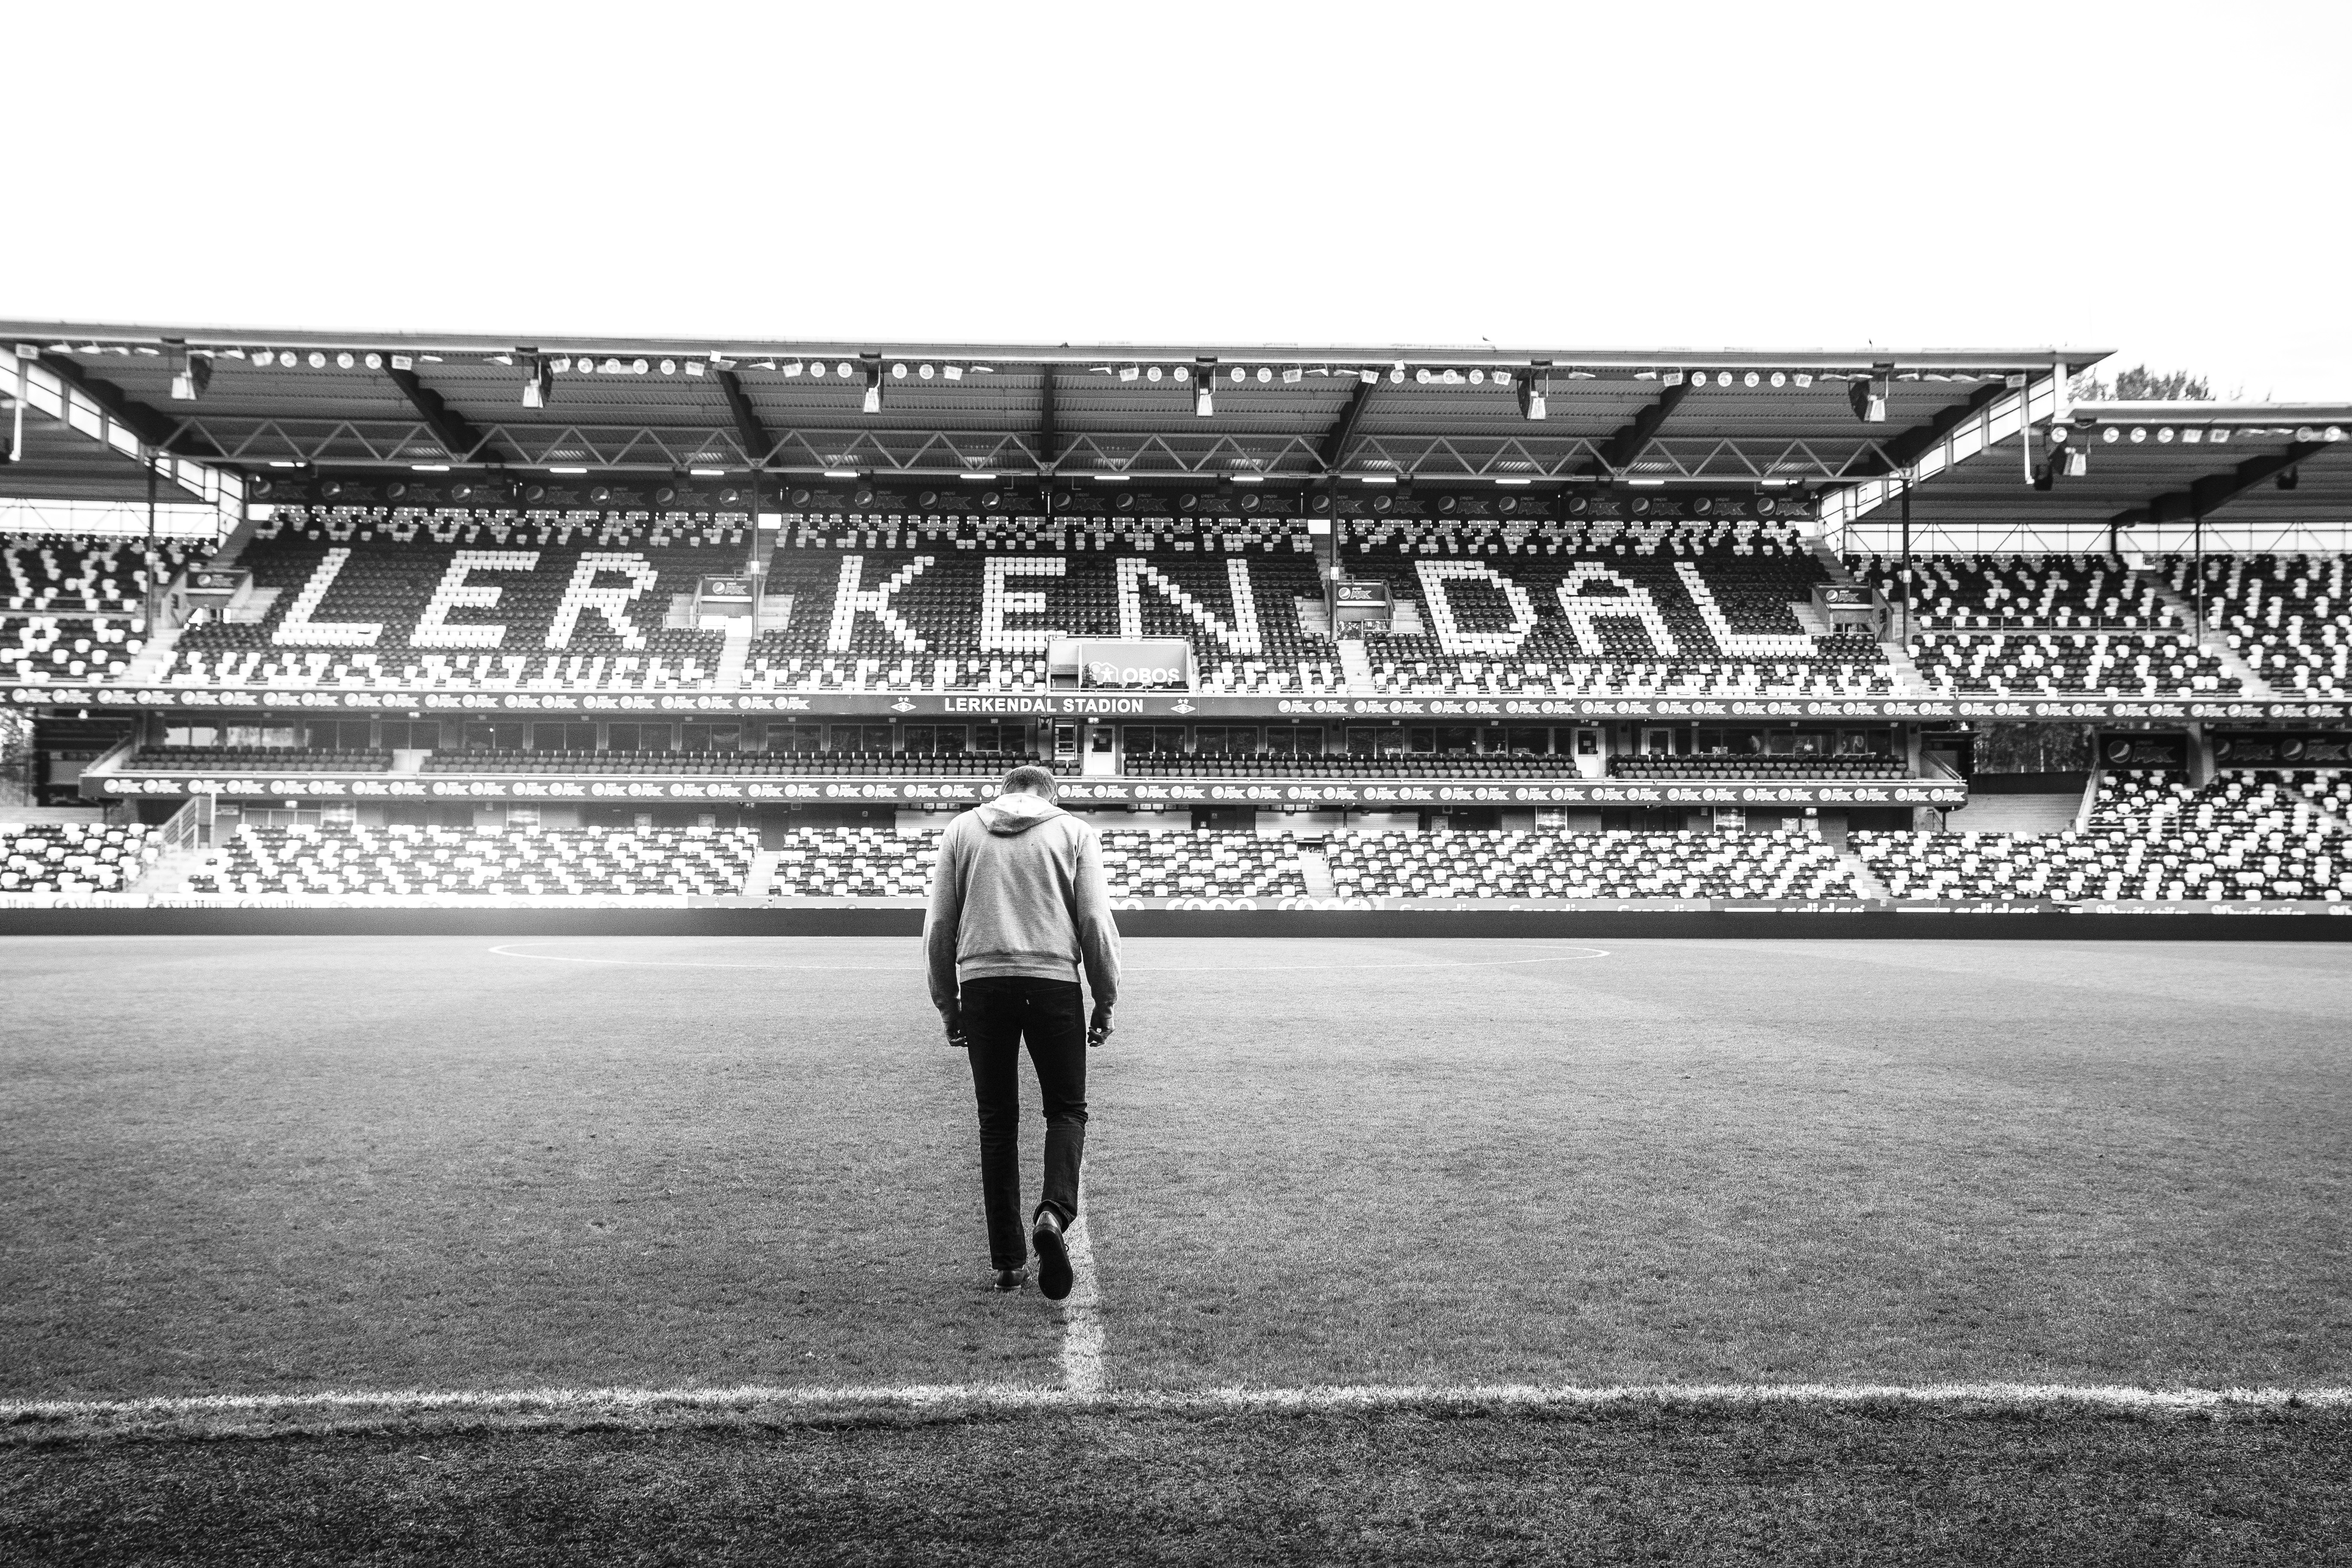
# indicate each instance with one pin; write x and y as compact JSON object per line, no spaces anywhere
{"x":1098,"y":1030}
{"x":957,"y":1037}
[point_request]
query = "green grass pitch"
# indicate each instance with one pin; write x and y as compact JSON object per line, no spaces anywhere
{"x":281,"y":1167}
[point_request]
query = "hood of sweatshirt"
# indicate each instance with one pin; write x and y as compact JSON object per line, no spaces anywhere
{"x":1009,"y":814}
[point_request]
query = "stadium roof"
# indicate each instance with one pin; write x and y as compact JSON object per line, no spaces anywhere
{"x":356,"y":400}
{"x":2285,"y":465}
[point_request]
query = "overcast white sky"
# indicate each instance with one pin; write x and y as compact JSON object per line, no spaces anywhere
{"x":2167,"y":181}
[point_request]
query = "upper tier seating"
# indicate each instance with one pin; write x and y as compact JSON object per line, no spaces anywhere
{"x":1551,"y":864}
{"x":2286,"y":615}
{"x":58,"y":649}
{"x":1605,"y":609}
{"x":259,"y":758}
{"x":987,"y":621}
{"x":2033,"y":626}
{"x":1754,"y":766}
{"x":75,"y":857}
{"x":2151,"y":836}
{"x":71,"y":572}
{"x":364,"y":598}
{"x":473,"y":862}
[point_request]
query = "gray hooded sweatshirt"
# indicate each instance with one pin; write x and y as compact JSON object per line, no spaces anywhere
{"x":1019,"y":891}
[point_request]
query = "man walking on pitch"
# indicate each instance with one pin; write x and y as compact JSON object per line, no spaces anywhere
{"x":1017,"y":905}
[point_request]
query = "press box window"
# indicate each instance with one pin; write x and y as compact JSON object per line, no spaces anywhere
{"x":563,"y":737}
{"x":711,"y":738}
{"x":486,"y":735}
{"x":641,"y":737}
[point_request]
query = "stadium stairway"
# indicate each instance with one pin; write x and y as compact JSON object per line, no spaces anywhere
{"x":1356,"y":664}
{"x":1865,"y":880}
{"x":2210,"y":638}
{"x":155,"y":657}
{"x":238,"y":537}
{"x":733,"y":654}
{"x":762,"y":874}
{"x":1315,"y":870}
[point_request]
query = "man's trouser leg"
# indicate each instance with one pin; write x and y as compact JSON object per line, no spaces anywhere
{"x":1051,"y":1014}
{"x":1056,"y":1027}
{"x":992,"y":1018}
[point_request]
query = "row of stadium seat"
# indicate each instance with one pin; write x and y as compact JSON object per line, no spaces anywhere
{"x":50,"y":648}
{"x":916,"y":764}
{"x":449,"y":860}
{"x":1752,"y":766}
{"x":1555,"y":864}
{"x":2023,"y":625}
{"x":73,"y":856}
{"x":2151,"y":835}
{"x":73,"y":573}
{"x":1323,"y":766}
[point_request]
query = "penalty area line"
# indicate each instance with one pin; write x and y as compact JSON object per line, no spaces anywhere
{"x":266,"y":1414}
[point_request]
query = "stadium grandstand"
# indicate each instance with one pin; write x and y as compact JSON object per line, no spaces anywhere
{"x":353,"y":619}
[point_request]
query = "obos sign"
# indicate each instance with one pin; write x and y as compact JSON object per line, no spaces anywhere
{"x":1149,"y":662}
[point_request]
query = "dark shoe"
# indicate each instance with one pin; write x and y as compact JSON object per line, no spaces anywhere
{"x":1052,"y":1256}
{"x":1011,"y":1279}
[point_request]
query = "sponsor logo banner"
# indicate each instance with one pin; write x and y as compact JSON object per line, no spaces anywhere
{"x":1301,"y":793}
{"x":1176,"y":704}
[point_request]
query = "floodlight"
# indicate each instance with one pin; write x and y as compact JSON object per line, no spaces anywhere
{"x":1869,"y":399}
{"x":669,"y":367}
{"x":1535,"y":392}
{"x":1154,"y":373}
{"x":191,"y":373}
{"x":927,"y":371}
{"x":1293,"y":374}
{"x":953,"y":372}
{"x":1129,"y":372}
{"x":898,"y":372}
{"x":343,"y":361}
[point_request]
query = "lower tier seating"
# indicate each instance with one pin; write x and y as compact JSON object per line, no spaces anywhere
{"x":75,"y":857}
{"x":2151,"y":836}
{"x":1547,"y":864}
{"x":1204,"y":863}
{"x":1335,"y":765}
{"x":904,"y":764}
{"x":456,"y":860}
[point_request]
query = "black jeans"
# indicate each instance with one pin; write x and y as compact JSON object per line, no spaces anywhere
{"x":998,"y":1013}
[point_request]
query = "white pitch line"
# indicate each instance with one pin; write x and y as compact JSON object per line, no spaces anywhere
{"x":1559,"y":955}
{"x":556,"y":1406}
{"x":1082,"y":1329}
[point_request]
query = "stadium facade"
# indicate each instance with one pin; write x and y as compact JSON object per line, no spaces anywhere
{"x":367,"y":617}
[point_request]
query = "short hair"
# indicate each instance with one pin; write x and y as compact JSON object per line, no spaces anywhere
{"x":1033,"y":780}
